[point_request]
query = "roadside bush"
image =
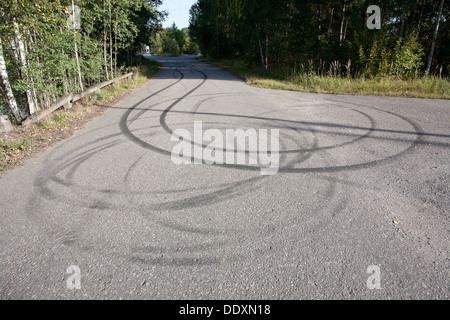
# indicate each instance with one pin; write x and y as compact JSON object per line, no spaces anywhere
{"x":408,"y":59}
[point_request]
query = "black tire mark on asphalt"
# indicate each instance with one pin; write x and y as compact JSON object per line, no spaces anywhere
{"x":258,"y":117}
{"x":230,"y":191}
{"x":162,"y":121}
{"x":306,"y":170}
{"x":130,"y":170}
{"x":369,"y":164}
{"x":330,"y":193}
{"x":73,"y":235}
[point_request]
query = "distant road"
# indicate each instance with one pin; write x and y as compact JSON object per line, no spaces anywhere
{"x":359,"y":208}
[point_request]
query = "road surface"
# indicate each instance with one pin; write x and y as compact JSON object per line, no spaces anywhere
{"x":359,"y":208}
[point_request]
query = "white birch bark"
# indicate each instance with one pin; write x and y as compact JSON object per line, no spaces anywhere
{"x":23,"y":63}
{"x":9,"y":93}
{"x":433,"y":44}
{"x":80,"y":80}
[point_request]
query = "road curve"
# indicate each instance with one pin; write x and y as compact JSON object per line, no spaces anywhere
{"x":363,"y":181}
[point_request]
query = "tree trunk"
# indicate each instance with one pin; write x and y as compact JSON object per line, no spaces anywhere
{"x":80,"y":80}
{"x":266,"y":29}
{"x":76,"y":49}
{"x":261,"y":52}
{"x":402,"y":29}
{"x":330,"y":25}
{"x":115,"y":55}
{"x":266,"y":58}
{"x":14,"y":49}
{"x":111,"y":54}
{"x":341,"y":35}
{"x":23,"y":63}
{"x":105,"y":53}
{"x":33,"y":86}
{"x":115,"y":46}
{"x":65,"y":80}
{"x":110,"y":42}
{"x":403,"y":16}
{"x":12,"y":103}
{"x":217,"y":37}
{"x":433,"y":44}
{"x":41,"y":98}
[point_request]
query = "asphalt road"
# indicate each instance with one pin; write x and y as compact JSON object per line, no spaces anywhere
{"x":363,"y":181}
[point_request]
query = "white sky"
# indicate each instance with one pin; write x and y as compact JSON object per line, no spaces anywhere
{"x":178,"y":12}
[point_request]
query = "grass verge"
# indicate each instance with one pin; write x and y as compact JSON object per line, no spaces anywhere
{"x":24,"y":143}
{"x":431,"y":87}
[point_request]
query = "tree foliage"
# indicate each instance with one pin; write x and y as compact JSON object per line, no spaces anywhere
{"x":46,"y":59}
{"x":319,"y":35}
{"x":173,"y":41}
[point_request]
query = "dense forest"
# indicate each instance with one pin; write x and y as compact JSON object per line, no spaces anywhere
{"x":49,"y":48}
{"x":327,"y":36}
{"x":173,"y":41}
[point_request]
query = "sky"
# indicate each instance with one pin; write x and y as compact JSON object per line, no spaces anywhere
{"x":178,"y":12}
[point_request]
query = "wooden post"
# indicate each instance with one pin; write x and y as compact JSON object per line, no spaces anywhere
{"x":5,"y":124}
{"x":68,"y":105}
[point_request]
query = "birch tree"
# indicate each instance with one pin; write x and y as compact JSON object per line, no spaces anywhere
{"x":25,"y":74}
{"x":77,"y":60}
{"x":12,"y":103}
{"x":433,"y":44}
{"x":43,"y":58}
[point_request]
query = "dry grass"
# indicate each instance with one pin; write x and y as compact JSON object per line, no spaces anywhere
{"x":431,"y":87}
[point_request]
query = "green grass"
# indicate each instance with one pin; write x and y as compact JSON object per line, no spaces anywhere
{"x":57,"y":121}
{"x":150,"y":68}
{"x":48,"y":124}
{"x":13,"y":146}
{"x":141,"y":74}
{"x":9,"y":148}
{"x":61,"y":120}
{"x":431,"y":87}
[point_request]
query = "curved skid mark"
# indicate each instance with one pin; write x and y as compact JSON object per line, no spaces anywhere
{"x":130,"y":170}
{"x":164,"y":125}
